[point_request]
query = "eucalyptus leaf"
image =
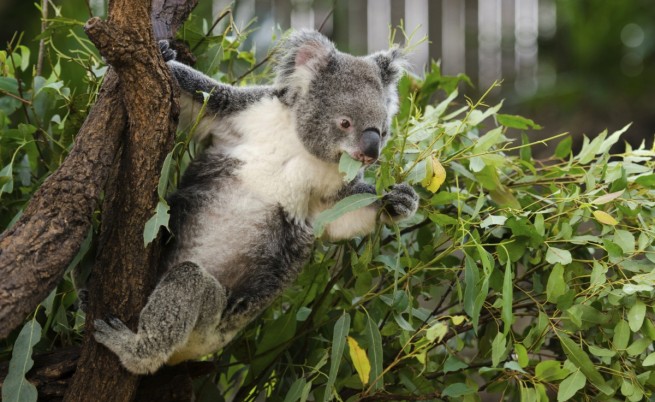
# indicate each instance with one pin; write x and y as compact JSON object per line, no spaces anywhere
{"x":349,"y":167}
{"x":341,"y":330}
{"x":570,"y":386}
{"x":16,"y":388}
{"x":348,"y":204}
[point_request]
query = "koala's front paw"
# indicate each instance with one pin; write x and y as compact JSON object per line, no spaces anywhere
{"x":167,"y":53}
{"x":401,"y":202}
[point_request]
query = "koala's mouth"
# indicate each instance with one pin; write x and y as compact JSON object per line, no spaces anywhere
{"x":362,"y":157}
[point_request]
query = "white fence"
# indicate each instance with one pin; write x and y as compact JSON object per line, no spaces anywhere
{"x":486,"y":39}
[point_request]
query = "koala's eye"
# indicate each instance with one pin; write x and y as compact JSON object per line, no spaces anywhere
{"x":345,"y":123}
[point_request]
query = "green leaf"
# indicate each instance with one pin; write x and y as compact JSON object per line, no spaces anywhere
{"x":581,"y":360}
{"x":164,"y":175}
{"x":375,"y":354}
{"x":638,"y":347}
{"x":506,"y":313}
{"x":612,"y":139}
{"x":518,"y":122}
{"x":348,"y":204}
{"x":458,"y":389}
{"x":649,"y":360}
{"x":550,"y":370}
{"x":488,"y":140}
{"x":341,"y":329}
{"x":563,"y":149}
{"x":295,"y":391}
{"x":471,"y":278}
{"x":160,"y":218}
{"x":9,"y":84}
{"x":625,"y":240}
{"x":636,"y":315}
{"x":349,"y":167}
{"x":25,"y":57}
{"x":601,"y":352}
{"x":570,"y":386}
{"x":621,"y":335}
{"x":521,"y":355}
{"x":15,"y":387}
{"x":498,"y":349}
{"x":647,"y":181}
{"x":6,"y":174}
{"x":302,"y":313}
{"x":556,"y":255}
{"x":591,"y":149}
{"x":453,"y":364}
{"x":556,"y":287}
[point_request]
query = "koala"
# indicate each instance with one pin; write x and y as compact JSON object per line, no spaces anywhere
{"x":242,"y":216}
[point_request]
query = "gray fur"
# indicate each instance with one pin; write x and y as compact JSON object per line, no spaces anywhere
{"x":241,"y":218}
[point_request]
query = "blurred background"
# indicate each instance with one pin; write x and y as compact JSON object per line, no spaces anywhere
{"x":579,"y":66}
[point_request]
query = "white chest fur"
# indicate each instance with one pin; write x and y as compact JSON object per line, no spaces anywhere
{"x":276,"y":165}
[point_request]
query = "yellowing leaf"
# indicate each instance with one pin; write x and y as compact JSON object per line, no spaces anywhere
{"x":458,"y":319}
{"x":360,"y":360}
{"x":436,"y":331}
{"x":438,"y":176}
{"x":605,"y":218}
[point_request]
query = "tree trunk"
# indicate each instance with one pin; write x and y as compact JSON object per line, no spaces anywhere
{"x":35,"y":252}
{"x":125,"y":272}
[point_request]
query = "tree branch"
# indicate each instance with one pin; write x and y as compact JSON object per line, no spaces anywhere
{"x":35,"y":252}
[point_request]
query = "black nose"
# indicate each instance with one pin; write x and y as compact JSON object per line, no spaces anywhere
{"x":369,"y":144}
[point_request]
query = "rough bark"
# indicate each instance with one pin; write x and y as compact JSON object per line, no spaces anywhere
{"x":125,"y":272}
{"x":35,"y":252}
{"x":168,"y":15}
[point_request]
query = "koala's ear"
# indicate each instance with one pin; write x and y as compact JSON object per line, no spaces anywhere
{"x":391,"y":63}
{"x":300,"y":57}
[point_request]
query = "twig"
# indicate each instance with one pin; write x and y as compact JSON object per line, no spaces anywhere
{"x":325,"y":20}
{"x":406,"y":230}
{"x":255,"y":67}
{"x":383,"y":396}
{"x":18,"y":98}
{"x":44,"y":25}
{"x":209,"y":31}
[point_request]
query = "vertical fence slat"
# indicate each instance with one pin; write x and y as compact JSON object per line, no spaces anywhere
{"x":489,"y":42}
{"x":378,"y":17}
{"x":453,"y":37}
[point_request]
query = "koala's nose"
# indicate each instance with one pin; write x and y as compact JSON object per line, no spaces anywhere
{"x":369,"y":145}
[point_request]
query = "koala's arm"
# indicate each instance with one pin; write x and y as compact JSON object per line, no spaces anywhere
{"x":223,"y":99}
{"x":400,"y":202}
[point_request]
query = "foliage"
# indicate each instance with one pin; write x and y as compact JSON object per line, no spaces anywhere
{"x":521,"y":278}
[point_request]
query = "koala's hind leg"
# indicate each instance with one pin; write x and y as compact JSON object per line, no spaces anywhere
{"x":185,"y":297}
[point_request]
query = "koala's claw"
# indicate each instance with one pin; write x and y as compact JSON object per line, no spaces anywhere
{"x":116,"y":323}
{"x":166,"y":51}
{"x":401,"y":202}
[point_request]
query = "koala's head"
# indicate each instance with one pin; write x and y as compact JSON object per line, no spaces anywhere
{"x":342,"y":103}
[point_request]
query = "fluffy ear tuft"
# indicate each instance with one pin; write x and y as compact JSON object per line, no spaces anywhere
{"x":392,"y":64}
{"x":300,"y":56}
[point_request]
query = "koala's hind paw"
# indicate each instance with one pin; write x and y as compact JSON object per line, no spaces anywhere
{"x":165,"y":48}
{"x":401,"y":202}
{"x":111,"y":333}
